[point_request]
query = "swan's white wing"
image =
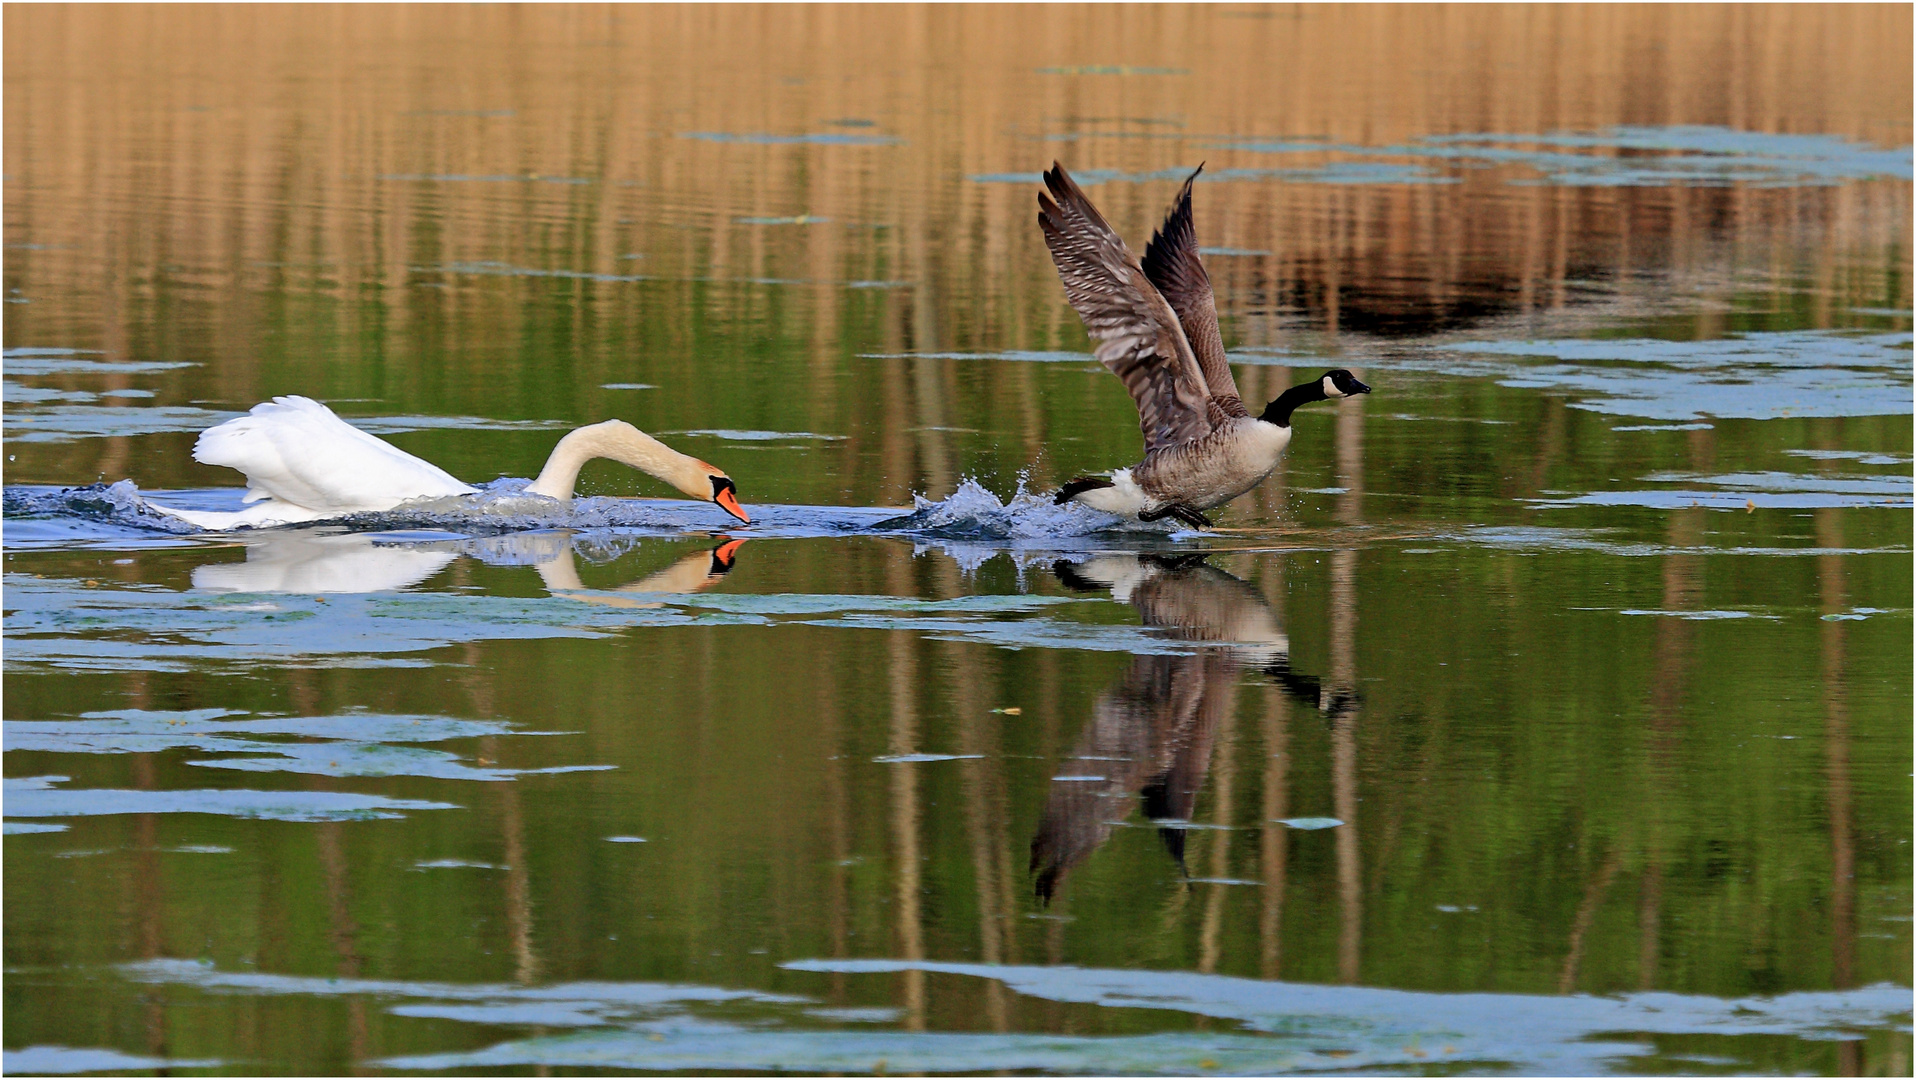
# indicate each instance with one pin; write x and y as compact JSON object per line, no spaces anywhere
{"x":295,"y":451}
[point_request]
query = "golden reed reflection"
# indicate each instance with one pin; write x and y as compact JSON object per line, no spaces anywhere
{"x":1832,"y":581}
{"x":1669,"y":686}
{"x":1343,"y":688}
{"x":906,"y":825}
{"x":216,"y":153}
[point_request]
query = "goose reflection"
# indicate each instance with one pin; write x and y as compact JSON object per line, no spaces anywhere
{"x":1150,"y":736}
{"x":333,"y":561}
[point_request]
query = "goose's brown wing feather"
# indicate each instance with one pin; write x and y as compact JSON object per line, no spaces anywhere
{"x":1137,"y":333}
{"x":1172,"y":263}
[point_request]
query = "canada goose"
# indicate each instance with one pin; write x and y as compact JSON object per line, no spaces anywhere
{"x":303,"y":463}
{"x":1155,"y":324}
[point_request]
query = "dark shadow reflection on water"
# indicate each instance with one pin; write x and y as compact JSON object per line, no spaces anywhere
{"x":1150,"y":736}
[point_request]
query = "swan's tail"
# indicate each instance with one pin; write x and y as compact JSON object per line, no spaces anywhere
{"x":258,"y":516}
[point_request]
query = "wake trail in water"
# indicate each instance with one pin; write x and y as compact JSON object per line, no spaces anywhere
{"x":119,"y":504}
{"x":971,"y":513}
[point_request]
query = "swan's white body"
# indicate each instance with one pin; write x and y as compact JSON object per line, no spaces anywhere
{"x":303,"y":463}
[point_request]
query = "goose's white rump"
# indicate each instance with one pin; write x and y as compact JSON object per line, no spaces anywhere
{"x":303,"y":463}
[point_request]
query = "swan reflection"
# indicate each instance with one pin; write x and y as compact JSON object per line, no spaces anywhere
{"x":693,"y":573}
{"x":330,"y":561}
{"x":1150,"y":736}
{"x":322,"y":561}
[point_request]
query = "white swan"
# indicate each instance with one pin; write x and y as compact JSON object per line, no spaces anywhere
{"x":303,"y":463}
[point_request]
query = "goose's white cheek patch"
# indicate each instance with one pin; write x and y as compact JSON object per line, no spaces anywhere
{"x":1331,"y":390}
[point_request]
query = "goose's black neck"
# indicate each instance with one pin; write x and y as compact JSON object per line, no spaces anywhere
{"x":1279,"y":411}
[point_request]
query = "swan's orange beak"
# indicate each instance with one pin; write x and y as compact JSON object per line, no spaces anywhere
{"x":727,"y":498}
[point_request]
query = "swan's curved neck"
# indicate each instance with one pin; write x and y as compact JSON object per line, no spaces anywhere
{"x":622,"y":442}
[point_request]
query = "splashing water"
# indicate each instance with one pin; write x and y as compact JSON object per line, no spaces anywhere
{"x":974,"y":513}
{"x":109,"y":504}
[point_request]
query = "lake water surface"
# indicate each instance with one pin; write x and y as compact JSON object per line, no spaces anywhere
{"x":1547,"y":712}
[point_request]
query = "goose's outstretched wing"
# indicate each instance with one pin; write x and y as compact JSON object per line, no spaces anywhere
{"x":294,"y":450}
{"x":1172,"y":263}
{"x":1137,"y":333}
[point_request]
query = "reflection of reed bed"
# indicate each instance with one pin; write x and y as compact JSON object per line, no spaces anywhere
{"x":870,"y":129}
{"x":1408,"y":260}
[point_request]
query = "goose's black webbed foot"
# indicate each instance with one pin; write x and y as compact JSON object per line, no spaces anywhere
{"x":1191,"y":517}
{"x":1304,"y":688}
{"x":1181,"y":512}
{"x":1340,"y":703}
{"x":1334,"y":702}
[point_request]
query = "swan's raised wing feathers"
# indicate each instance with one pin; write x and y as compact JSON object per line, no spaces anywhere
{"x":1172,"y":263}
{"x":295,"y":450}
{"x":1137,"y":334}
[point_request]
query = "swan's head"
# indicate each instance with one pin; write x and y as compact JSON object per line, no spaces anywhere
{"x":725,"y":493}
{"x":1341,"y":383}
{"x":703,"y":481}
{"x":700,"y":480}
